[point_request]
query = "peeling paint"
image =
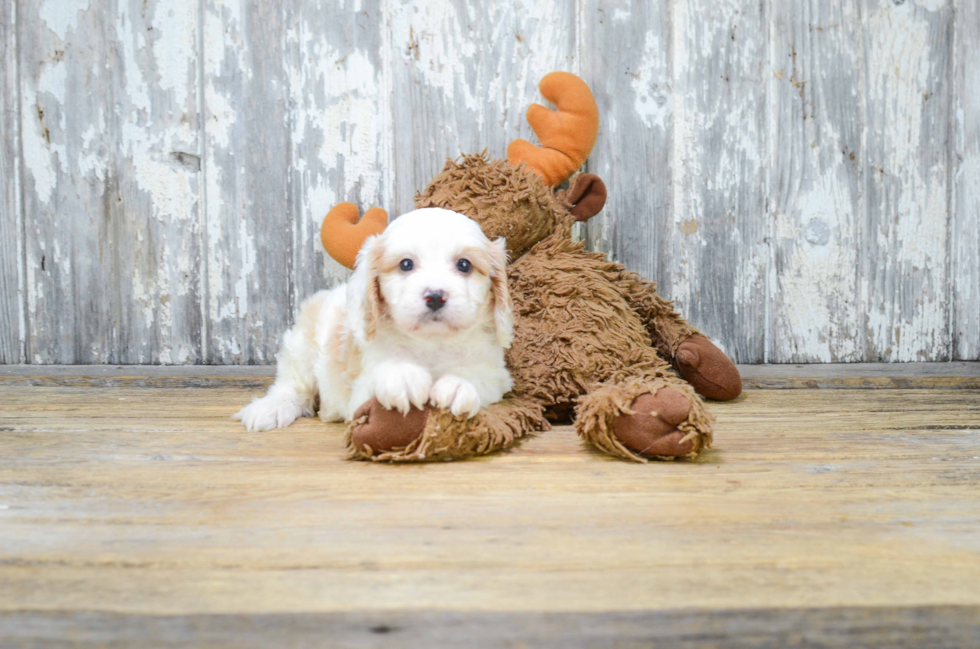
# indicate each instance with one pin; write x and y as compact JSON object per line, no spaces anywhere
{"x":651,"y":101}
{"x":965,"y":208}
{"x":61,"y":16}
{"x":906,"y":316}
{"x":814,"y":192}
{"x":719,"y":278}
{"x":719,"y":143}
{"x":37,"y":160}
{"x":174,"y":47}
{"x":816,"y":292}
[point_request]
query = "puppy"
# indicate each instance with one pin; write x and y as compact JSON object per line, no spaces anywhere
{"x":425,"y":317}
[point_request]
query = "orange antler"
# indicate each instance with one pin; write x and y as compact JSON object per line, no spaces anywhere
{"x":343,"y":235}
{"x":566,"y":134}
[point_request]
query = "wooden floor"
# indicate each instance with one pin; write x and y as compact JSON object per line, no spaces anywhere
{"x":138,"y":515}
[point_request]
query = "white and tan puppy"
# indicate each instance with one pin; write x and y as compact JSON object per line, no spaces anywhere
{"x":425,"y":318}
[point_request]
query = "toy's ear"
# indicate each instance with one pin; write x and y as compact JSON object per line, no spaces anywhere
{"x":587,"y":196}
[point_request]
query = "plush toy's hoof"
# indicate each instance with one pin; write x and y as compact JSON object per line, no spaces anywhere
{"x":384,"y":430}
{"x":652,"y":429}
{"x":707,"y":369}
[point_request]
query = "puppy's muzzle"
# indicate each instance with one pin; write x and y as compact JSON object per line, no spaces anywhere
{"x":435,"y":300}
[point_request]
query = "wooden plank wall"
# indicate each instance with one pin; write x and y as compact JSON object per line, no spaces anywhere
{"x":801,"y":176}
{"x":12,"y":326}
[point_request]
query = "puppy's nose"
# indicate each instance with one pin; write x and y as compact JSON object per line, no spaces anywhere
{"x":435,"y":300}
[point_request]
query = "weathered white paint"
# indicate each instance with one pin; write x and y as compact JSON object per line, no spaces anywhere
{"x":64,"y":90}
{"x":112,"y":251}
{"x":62,"y":16}
{"x":801,"y":176}
{"x":815,"y":194}
{"x":626,"y":60}
{"x":159,"y":176}
{"x":462,"y":73}
{"x":720,"y":75}
{"x":13,"y":325}
{"x":965,"y":231}
{"x":906,"y":172}
{"x":249,"y":228}
{"x":340,"y":142}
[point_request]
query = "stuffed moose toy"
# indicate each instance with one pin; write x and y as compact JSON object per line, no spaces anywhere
{"x":593,"y":342}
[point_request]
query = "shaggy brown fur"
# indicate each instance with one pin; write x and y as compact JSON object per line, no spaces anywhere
{"x":587,"y":332}
{"x":575,"y":325}
{"x":597,"y":412}
{"x":445,"y":437}
{"x":505,"y":200}
{"x":592,"y":340}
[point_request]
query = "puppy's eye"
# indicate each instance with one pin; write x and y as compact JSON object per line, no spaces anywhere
{"x":464,"y":266}
{"x":406,"y":265}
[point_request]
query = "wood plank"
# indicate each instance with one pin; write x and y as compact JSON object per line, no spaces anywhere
{"x":250,"y":228}
{"x":157,"y":256}
{"x":12,"y":327}
{"x":163,"y":371}
{"x":339,"y":118}
{"x":109,"y":108}
{"x":719,"y":250}
{"x":816,"y":93}
{"x":311,"y":102}
{"x":463,"y":74}
{"x":907,"y":110}
{"x":912,"y":627}
{"x":633,"y":151}
{"x":63,"y":54}
{"x":965,"y":231}
{"x":922,"y":376}
{"x":954,"y":375}
{"x":127,"y":379}
{"x":137,"y":411}
{"x":114,"y":502}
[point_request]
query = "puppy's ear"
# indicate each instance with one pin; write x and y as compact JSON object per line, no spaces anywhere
{"x":503,"y":318}
{"x":365,"y":303}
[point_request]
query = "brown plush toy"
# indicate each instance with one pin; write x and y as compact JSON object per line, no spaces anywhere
{"x":593,"y":342}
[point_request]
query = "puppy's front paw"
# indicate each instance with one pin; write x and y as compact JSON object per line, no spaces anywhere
{"x":269,"y":412}
{"x":458,"y":395}
{"x":404,"y":386}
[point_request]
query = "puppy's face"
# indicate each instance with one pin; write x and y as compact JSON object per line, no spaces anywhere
{"x":434,"y":273}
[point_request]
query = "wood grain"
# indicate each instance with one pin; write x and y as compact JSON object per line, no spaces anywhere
{"x":12,"y":329}
{"x":847,"y":507}
{"x":153,"y":201}
{"x":626,"y":59}
{"x":907,"y":110}
{"x":63,"y":53}
{"x":250,"y":232}
{"x":110,"y":132}
{"x":165,"y":165}
{"x":964,"y":295}
{"x":815,"y":91}
{"x":719,"y":160}
{"x":340,"y":127}
{"x":912,"y":627}
{"x":463,"y":74}
{"x":952,"y":376}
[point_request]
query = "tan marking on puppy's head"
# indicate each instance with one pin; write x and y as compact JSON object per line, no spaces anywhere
{"x":366,"y":304}
{"x":492,"y":262}
{"x":374,"y":300}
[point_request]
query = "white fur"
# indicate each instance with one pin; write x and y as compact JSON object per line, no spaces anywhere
{"x":375,"y":336}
